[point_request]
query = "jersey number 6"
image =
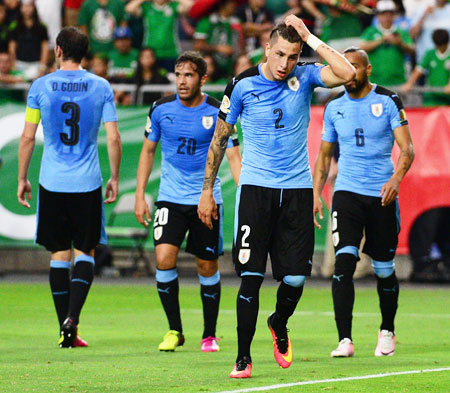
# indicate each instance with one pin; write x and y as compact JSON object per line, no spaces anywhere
{"x":74,"y":135}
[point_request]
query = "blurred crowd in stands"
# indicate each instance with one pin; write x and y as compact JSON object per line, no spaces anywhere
{"x":136,"y":42}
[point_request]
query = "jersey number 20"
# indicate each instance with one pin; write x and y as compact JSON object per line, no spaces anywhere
{"x":73,"y":137}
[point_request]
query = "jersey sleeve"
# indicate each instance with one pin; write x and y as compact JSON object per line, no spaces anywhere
{"x":424,"y":65}
{"x":329,"y":133}
{"x":233,"y":140}
{"x":397,"y":115}
{"x":202,"y":29}
{"x":109,"y":108}
{"x":33,"y":112}
{"x":231,"y":106}
{"x":33,"y":96}
{"x":314,"y":74}
{"x":152,"y":129}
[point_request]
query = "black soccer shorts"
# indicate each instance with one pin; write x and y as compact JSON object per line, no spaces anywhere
{"x":352,"y":213}
{"x":173,"y":220}
{"x":66,"y":218}
{"x":278,"y":222}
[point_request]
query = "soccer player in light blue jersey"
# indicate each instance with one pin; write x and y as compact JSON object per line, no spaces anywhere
{"x":71,"y":102}
{"x":274,"y":201}
{"x":365,"y":120}
{"x":184,"y":124}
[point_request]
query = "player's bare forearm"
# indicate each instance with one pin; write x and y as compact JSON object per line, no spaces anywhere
{"x":322,"y":167}
{"x":26,"y":148}
{"x":114,"y":146}
{"x":235,"y":162}
{"x":216,"y":152}
{"x":146,"y":160}
{"x":339,"y":71}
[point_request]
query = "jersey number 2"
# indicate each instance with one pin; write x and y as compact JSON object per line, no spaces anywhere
{"x":280,"y":116}
{"x":74,"y":135}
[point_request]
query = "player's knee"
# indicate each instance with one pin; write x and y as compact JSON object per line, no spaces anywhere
{"x":209,"y":280}
{"x":294,"y":281}
{"x":166,"y":275}
{"x":207,"y":268}
{"x":344,"y":267}
{"x":383,"y":269}
{"x":165,"y":261}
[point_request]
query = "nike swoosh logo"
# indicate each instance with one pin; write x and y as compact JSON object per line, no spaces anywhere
{"x":288,"y":356}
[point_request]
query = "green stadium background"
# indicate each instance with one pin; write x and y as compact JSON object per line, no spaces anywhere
{"x":131,"y":124}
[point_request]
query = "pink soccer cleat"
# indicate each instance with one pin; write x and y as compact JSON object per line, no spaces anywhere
{"x":242,"y":369}
{"x":79,"y":342}
{"x":282,"y":349}
{"x":386,"y":343}
{"x":344,"y":349}
{"x":209,"y":344}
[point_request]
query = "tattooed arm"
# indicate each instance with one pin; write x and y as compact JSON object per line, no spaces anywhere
{"x":389,"y":191}
{"x":207,"y":206}
{"x":321,"y":170}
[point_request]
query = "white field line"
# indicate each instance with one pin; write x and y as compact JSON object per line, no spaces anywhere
{"x":287,"y":385}
{"x":329,"y":313}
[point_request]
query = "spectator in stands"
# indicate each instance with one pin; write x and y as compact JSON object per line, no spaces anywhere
{"x":259,"y":54}
{"x":100,"y":65}
{"x":241,"y":64}
{"x":12,"y":12}
{"x":425,"y":21}
{"x":387,"y":46}
{"x":98,"y":19}
{"x":28,"y":45}
{"x":160,"y":18}
{"x":214,"y":35}
{"x":341,"y":29}
{"x":411,"y":6}
{"x":400,"y":19}
{"x":51,"y":17}
{"x":254,"y":18}
{"x":123,"y":59}
{"x":436,"y":65}
{"x":5,"y":29}
{"x":214,"y":77}
{"x":71,"y":11}
{"x":9,"y":76}
{"x":148,"y":74}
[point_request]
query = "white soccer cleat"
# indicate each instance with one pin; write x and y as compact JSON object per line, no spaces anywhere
{"x":386,"y":343}
{"x":344,"y":349}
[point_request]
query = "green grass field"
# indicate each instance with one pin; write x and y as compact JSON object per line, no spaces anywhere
{"x":124,"y":325}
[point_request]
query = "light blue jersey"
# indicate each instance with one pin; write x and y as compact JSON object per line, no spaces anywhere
{"x":364,"y":130}
{"x":71,"y":105}
{"x":274,"y":117}
{"x":185,"y":134}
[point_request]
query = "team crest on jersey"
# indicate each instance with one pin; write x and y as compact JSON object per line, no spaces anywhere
{"x":157,"y":233}
{"x":207,"y":121}
{"x":293,"y":83}
{"x":335,"y":238}
{"x":377,"y":109}
{"x":225,"y":106}
{"x":148,"y":126}
{"x":244,"y":255}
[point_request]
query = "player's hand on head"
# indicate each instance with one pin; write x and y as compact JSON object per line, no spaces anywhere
{"x":318,"y":208}
{"x":112,"y":190}
{"x":142,"y":212}
{"x":207,"y":208}
{"x":389,"y":191}
{"x":298,"y":25}
{"x":24,"y":190}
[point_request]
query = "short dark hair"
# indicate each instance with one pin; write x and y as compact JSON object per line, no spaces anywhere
{"x":361,"y":52}
{"x":73,"y":42}
{"x":286,"y":32}
{"x":195,"y":58}
{"x":440,"y":37}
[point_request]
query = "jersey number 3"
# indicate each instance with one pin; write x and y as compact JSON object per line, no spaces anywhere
{"x":73,"y":137}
